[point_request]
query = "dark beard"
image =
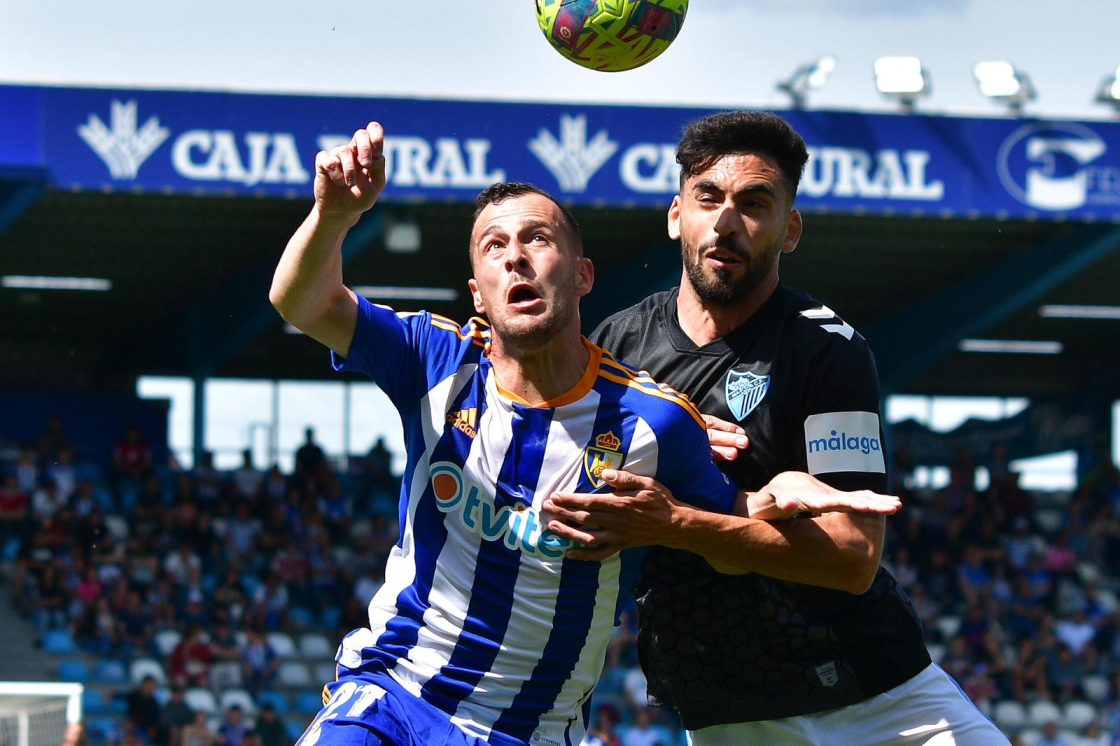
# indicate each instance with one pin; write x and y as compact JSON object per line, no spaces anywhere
{"x":722,"y":290}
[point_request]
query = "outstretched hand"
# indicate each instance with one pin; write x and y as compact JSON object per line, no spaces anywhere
{"x":639,"y":513}
{"x":349,"y":178}
{"x":794,"y":493}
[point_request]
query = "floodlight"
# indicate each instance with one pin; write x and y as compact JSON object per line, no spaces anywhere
{"x":808,"y":77}
{"x":1000,"y":81}
{"x":41,"y":282}
{"x":1011,"y":346}
{"x":901,"y":78}
{"x":1110,"y":90}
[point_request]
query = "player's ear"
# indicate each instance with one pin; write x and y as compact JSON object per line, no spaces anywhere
{"x":793,"y":231}
{"x":674,"y":218}
{"x":585,"y":276}
{"x":476,"y":296}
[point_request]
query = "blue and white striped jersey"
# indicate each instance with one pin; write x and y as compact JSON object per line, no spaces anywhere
{"x":481,"y":615}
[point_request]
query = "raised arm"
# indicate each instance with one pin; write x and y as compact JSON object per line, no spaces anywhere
{"x":832,"y":548}
{"x":307,"y":288}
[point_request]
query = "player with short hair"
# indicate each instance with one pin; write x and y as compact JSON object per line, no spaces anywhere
{"x":805,"y":639}
{"x":483,"y":630}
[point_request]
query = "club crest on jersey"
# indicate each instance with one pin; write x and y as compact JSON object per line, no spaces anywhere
{"x":605,"y":454}
{"x":744,"y":391}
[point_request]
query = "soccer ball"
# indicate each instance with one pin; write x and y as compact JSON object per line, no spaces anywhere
{"x":611,"y":35}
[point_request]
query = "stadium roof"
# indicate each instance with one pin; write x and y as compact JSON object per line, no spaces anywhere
{"x":190,"y":262}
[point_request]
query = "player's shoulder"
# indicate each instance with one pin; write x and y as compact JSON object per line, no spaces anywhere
{"x":638,"y":314}
{"x":817,"y":324}
{"x":651,"y":400}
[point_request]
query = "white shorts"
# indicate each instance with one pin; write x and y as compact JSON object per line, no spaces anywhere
{"x":929,"y":709}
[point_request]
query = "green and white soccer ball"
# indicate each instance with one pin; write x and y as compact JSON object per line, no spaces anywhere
{"x":611,"y":35}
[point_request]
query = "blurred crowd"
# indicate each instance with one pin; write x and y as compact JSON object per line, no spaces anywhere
{"x":1013,"y":588}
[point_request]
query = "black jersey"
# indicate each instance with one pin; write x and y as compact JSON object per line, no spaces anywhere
{"x":726,"y":648}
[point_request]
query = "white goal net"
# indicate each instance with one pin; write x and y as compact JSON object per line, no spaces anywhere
{"x":38,"y":714}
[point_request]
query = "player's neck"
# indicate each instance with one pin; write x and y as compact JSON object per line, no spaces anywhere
{"x":705,"y":322}
{"x":541,"y":374}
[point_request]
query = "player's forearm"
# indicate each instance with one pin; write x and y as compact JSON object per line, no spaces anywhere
{"x":308,"y":278}
{"x":834,"y":550}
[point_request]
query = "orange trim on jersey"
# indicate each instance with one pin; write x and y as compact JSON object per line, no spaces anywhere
{"x":478,"y":332}
{"x":657,"y":392}
{"x":575,"y":393}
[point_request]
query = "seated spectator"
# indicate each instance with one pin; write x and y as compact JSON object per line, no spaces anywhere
{"x":209,"y":482}
{"x":1076,"y":632}
{"x":1052,"y":737}
{"x":145,"y":713}
{"x":63,"y":473}
{"x":51,"y":601}
{"x":604,"y":729}
{"x":191,"y":659}
{"x":15,"y":512}
{"x":270,"y":728}
{"x":644,"y":732}
{"x":198,"y":733}
{"x":177,"y":715}
{"x":260,"y":661}
{"x":226,"y":670}
{"x":234,"y":730}
{"x":27,"y":469}
{"x":53,"y":441}
{"x":1065,"y":671}
{"x":136,"y":628}
{"x":132,"y":457}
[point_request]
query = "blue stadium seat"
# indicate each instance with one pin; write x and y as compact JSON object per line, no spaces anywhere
{"x":111,"y":672}
{"x":93,"y":702}
{"x":308,"y":702}
{"x":301,"y":617}
{"x":329,"y":617}
{"x":100,"y":729}
{"x":73,"y":669}
{"x":59,"y":642}
{"x":277,"y":699}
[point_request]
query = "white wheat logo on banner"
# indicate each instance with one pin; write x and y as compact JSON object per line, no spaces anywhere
{"x":122,"y":146}
{"x":573,"y":159}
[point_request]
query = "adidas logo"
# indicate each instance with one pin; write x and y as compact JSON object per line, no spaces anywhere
{"x":464,"y":421}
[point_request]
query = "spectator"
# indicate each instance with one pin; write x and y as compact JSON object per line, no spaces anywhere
{"x":270,"y":728}
{"x":247,"y":480}
{"x":309,"y":457}
{"x":181,"y":564}
{"x":1051,"y":736}
{"x":52,"y":442}
{"x":63,"y":473}
{"x":191,"y":659}
{"x":226,"y":670}
{"x":15,"y":509}
{"x":605,"y":727}
{"x":644,"y":732}
{"x":198,"y":733}
{"x":136,"y":628}
{"x":132,"y":457}
{"x":260,"y":661}
{"x":1076,"y":632}
{"x":209,"y":482}
{"x":145,"y":713}
{"x":27,"y":469}
{"x":177,"y":715}
{"x":234,"y":730}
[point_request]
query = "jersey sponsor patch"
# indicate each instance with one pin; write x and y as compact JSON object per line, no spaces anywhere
{"x":744,"y":390}
{"x":843,"y":441}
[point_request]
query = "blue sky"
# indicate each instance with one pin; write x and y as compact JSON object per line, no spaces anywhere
{"x":730,"y":53}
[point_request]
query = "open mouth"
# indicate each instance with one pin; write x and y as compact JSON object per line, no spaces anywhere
{"x":723,"y":257}
{"x":522,"y":294}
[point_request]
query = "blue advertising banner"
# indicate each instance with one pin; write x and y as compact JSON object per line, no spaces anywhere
{"x":249,"y":144}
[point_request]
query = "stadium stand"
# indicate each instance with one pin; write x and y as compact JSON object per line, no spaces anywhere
{"x":1017,"y":598}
